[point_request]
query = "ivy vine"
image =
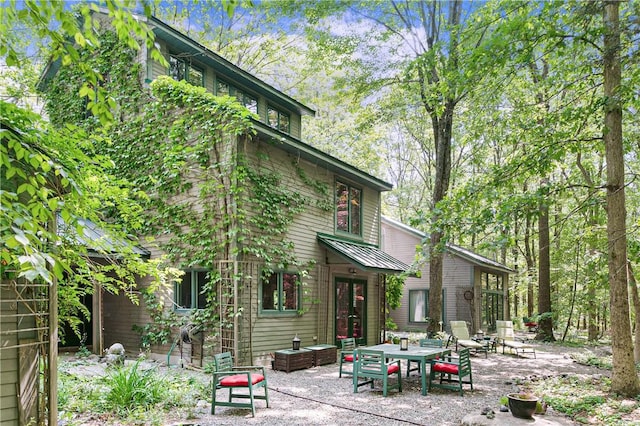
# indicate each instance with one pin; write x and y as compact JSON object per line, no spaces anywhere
{"x":178,"y":145}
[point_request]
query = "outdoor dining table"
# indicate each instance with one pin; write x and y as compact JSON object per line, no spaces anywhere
{"x":413,"y":353}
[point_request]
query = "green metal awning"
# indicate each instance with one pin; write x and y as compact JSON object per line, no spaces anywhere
{"x":365,"y":256}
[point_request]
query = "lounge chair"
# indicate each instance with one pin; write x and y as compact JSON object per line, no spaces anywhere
{"x":460,"y":336}
{"x":507,"y":338}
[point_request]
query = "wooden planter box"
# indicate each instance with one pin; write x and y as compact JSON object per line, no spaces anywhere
{"x":323,"y":354}
{"x":290,"y":360}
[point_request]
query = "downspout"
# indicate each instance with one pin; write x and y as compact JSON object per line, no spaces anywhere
{"x":384,"y":307}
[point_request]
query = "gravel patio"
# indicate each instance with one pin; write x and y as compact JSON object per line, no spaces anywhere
{"x":317,"y":396}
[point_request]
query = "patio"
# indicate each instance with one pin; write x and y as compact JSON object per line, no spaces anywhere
{"x":317,"y":396}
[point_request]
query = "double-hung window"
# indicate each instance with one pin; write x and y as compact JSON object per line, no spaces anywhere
{"x":249,"y":101}
{"x":189,"y":292}
{"x":180,"y":69}
{"x":278,"y":119}
{"x":280,"y":293}
{"x":348,"y":208}
{"x":419,"y":305}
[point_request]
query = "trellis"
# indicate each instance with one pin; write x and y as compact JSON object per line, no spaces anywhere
{"x":236,"y":307}
{"x":28,"y":347}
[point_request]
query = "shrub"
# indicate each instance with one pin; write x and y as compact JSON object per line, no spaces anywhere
{"x":131,"y":387}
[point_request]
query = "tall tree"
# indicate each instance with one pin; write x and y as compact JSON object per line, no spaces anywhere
{"x":426,"y":52}
{"x":624,"y":378}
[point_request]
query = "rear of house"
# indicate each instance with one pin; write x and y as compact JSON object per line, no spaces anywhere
{"x":331,"y":284}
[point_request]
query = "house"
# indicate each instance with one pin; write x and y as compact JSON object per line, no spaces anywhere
{"x":474,"y":288}
{"x":301,"y":258}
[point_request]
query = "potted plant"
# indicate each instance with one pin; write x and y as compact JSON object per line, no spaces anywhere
{"x":522,"y":405}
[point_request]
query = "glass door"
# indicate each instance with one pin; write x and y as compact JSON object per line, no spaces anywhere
{"x":351,"y":308}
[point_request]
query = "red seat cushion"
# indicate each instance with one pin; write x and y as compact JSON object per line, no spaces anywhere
{"x":445,"y":368}
{"x":240,"y":380}
{"x":393,"y":369}
{"x":348,"y":358}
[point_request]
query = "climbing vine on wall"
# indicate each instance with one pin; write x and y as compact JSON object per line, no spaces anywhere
{"x":180,"y":147}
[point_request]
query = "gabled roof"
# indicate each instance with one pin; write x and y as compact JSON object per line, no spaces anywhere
{"x":287,"y":142}
{"x":235,"y":74}
{"x":225,"y":68}
{"x":319,"y":158}
{"x":466,"y":254}
{"x":366,"y":256}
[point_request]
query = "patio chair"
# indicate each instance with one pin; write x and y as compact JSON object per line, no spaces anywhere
{"x":507,"y":338}
{"x":425,"y":343}
{"x":460,"y":335}
{"x":452,"y":371}
{"x":346,"y":353}
{"x":371,"y":365}
{"x":226,"y":376}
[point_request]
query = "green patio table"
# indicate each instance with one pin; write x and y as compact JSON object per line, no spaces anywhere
{"x":420,"y":354}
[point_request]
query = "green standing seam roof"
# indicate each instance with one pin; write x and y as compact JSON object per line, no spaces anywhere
{"x":97,"y":240}
{"x":366,"y":256}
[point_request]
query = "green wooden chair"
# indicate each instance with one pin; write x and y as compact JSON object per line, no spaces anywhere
{"x":226,"y":376}
{"x":346,"y":354}
{"x":452,"y":371}
{"x":425,"y":343}
{"x":371,"y":365}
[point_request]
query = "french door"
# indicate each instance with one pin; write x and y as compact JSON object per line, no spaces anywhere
{"x":351,"y":308}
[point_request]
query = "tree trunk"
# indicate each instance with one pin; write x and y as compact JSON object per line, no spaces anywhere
{"x":624,"y":378}
{"x":545,"y":322}
{"x":531,"y":263}
{"x":592,"y":320}
{"x":636,"y":308}
{"x":441,"y":113}
{"x":442,"y":130}
{"x":574,"y":292}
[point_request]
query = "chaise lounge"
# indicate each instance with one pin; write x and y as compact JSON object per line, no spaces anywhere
{"x":507,"y":338}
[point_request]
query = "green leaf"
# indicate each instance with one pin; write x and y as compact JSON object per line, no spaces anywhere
{"x":80,"y":39}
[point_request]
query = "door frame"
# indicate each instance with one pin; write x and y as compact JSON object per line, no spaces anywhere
{"x":362,"y":339}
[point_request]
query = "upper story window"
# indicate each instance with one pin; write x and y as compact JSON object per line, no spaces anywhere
{"x":278,"y":119}
{"x":250,"y":102}
{"x":180,"y":69}
{"x":189,"y":293}
{"x":348,"y":208}
{"x":280,"y":293}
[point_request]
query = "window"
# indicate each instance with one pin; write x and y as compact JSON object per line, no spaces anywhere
{"x":419,"y":305}
{"x":280,"y":292}
{"x":189,"y":293}
{"x":348,"y":208}
{"x":278,"y":119}
{"x":250,"y":102}
{"x":179,"y":69}
{"x":492,"y":299}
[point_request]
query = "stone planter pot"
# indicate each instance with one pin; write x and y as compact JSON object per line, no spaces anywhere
{"x":521,"y":405}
